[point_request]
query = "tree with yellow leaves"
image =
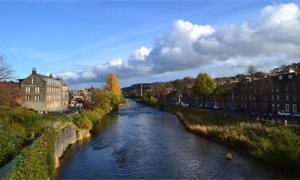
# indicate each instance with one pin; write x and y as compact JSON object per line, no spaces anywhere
{"x":112,"y":84}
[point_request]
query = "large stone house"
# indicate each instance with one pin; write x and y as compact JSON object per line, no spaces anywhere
{"x":44,"y":93}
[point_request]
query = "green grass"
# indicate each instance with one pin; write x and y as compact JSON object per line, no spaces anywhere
{"x":10,"y":145}
{"x":37,"y":160}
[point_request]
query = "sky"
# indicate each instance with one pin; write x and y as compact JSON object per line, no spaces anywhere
{"x":147,"y":40}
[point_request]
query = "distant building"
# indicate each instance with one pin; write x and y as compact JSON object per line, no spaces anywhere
{"x":268,"y":94}
{"x":44,"y":93}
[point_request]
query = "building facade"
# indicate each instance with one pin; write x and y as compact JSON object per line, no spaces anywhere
{"x":44,"y":93}
{"x":274,"y":93}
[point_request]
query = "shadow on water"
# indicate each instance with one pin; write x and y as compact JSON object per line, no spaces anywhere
{"x":142,"y":142}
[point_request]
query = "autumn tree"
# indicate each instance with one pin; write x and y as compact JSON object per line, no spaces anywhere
{"x":5,"y":71}
{"x":10,"y":94}
{"x":204,"y":86}
{"x":112,"y":84}
{"x":102,"y":99}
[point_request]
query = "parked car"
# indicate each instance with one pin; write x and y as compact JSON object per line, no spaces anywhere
{"x":253,"y":114}
{"x":199,"y":106}
{"x":296,"y":114}
{"x":184,"y":104}
{"x":282,"y":113}
{"x":232,"y":109}
{"x":267,"y":115}
{"x":215,"y":107}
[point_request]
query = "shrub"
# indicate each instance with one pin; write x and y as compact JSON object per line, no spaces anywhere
{"x":93,"y":116}
{"x":82,"y":122}
{"x":36,"y":161}
{"x":11,"y":144}
{"x":153,"y":101}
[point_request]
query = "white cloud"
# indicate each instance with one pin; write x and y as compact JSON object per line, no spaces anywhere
{"x":116,"y":62}
{"x":140,"y":54}
{"x":268,"y":41}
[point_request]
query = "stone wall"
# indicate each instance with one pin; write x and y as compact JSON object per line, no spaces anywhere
{"x":64,"y":139}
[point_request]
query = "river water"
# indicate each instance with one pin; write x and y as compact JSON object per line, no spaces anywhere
{"x":142,"y":142}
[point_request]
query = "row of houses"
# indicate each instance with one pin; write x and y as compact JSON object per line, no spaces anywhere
{"x":271,"y":93}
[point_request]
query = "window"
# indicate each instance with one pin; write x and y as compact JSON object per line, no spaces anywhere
{"x":290,"y":76}
{"x":28,"y":98}
{"x":272,"y":97}
{"x":294,"y":107}
{"x":37,"y":89}
{"x":294,"y":97}
{"x":27,"y":89}
{"x":287,"y":97}
{"x":280,"y":77}
{"x":37,"y":98}
{"x":287,"y":108}
{"x":32,"y":81}
{"x":277,"y":88}
{"x":272,"y":88}
{"x":286,"y":87}
{"x":277,"y":97}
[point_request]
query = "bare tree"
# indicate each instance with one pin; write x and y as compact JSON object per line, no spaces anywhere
{"x":251,"y":70}
{"x":5,"y":71}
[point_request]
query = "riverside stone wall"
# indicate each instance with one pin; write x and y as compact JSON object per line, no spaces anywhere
{"x":64,"y":139}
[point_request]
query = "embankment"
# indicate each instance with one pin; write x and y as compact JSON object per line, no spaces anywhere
{"x":276,"y":146}
{"x":41,"y":158}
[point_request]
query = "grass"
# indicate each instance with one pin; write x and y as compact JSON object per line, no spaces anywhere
{"x":37,"y":160}
{"x":276,"y":146}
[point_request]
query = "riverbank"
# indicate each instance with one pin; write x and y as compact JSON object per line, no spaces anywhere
{"x":50,"y":137}
{"x":276,"y":146}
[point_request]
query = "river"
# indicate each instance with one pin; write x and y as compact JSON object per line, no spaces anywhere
{"x":142,"y":142}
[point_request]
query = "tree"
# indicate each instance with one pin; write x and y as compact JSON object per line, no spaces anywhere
{"x":102,"y":99}
{"x":112,"y":84}
{"x":10,"y":94}
{"x":251,"y":70}
{"x":204,"y":86}
{"x":5,"y":71}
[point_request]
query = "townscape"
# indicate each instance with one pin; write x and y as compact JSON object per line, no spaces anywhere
{"x":149,"y":90}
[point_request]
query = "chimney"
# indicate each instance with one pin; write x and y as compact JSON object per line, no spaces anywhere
{"x":34,"y":70}
{"x":50,"y":75}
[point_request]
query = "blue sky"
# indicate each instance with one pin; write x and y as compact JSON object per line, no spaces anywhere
{"x":73,"y":37}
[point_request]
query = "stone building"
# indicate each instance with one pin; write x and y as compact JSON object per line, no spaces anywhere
{"x":269,"y":94}
{"x":44,"y":93}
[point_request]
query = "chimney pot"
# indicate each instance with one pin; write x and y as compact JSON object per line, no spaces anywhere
{"x":34,"y":70}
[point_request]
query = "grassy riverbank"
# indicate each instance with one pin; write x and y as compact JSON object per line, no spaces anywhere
{"x":277,"y":146}
{"x":30,"y":137}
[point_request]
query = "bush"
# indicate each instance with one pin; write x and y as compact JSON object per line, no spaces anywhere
{"x":93,"y":116}
{"x":82,"y":122}
{"x":284,"y":153}
{"x":11,"y":144}
{"x":153,"y":101}
{"x":36,"y":161}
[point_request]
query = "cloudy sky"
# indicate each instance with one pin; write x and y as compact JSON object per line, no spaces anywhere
{"x":147,"y":41}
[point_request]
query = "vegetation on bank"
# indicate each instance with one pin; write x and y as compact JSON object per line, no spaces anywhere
{"x":30,"y":136}
{"x":277,"y":146}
